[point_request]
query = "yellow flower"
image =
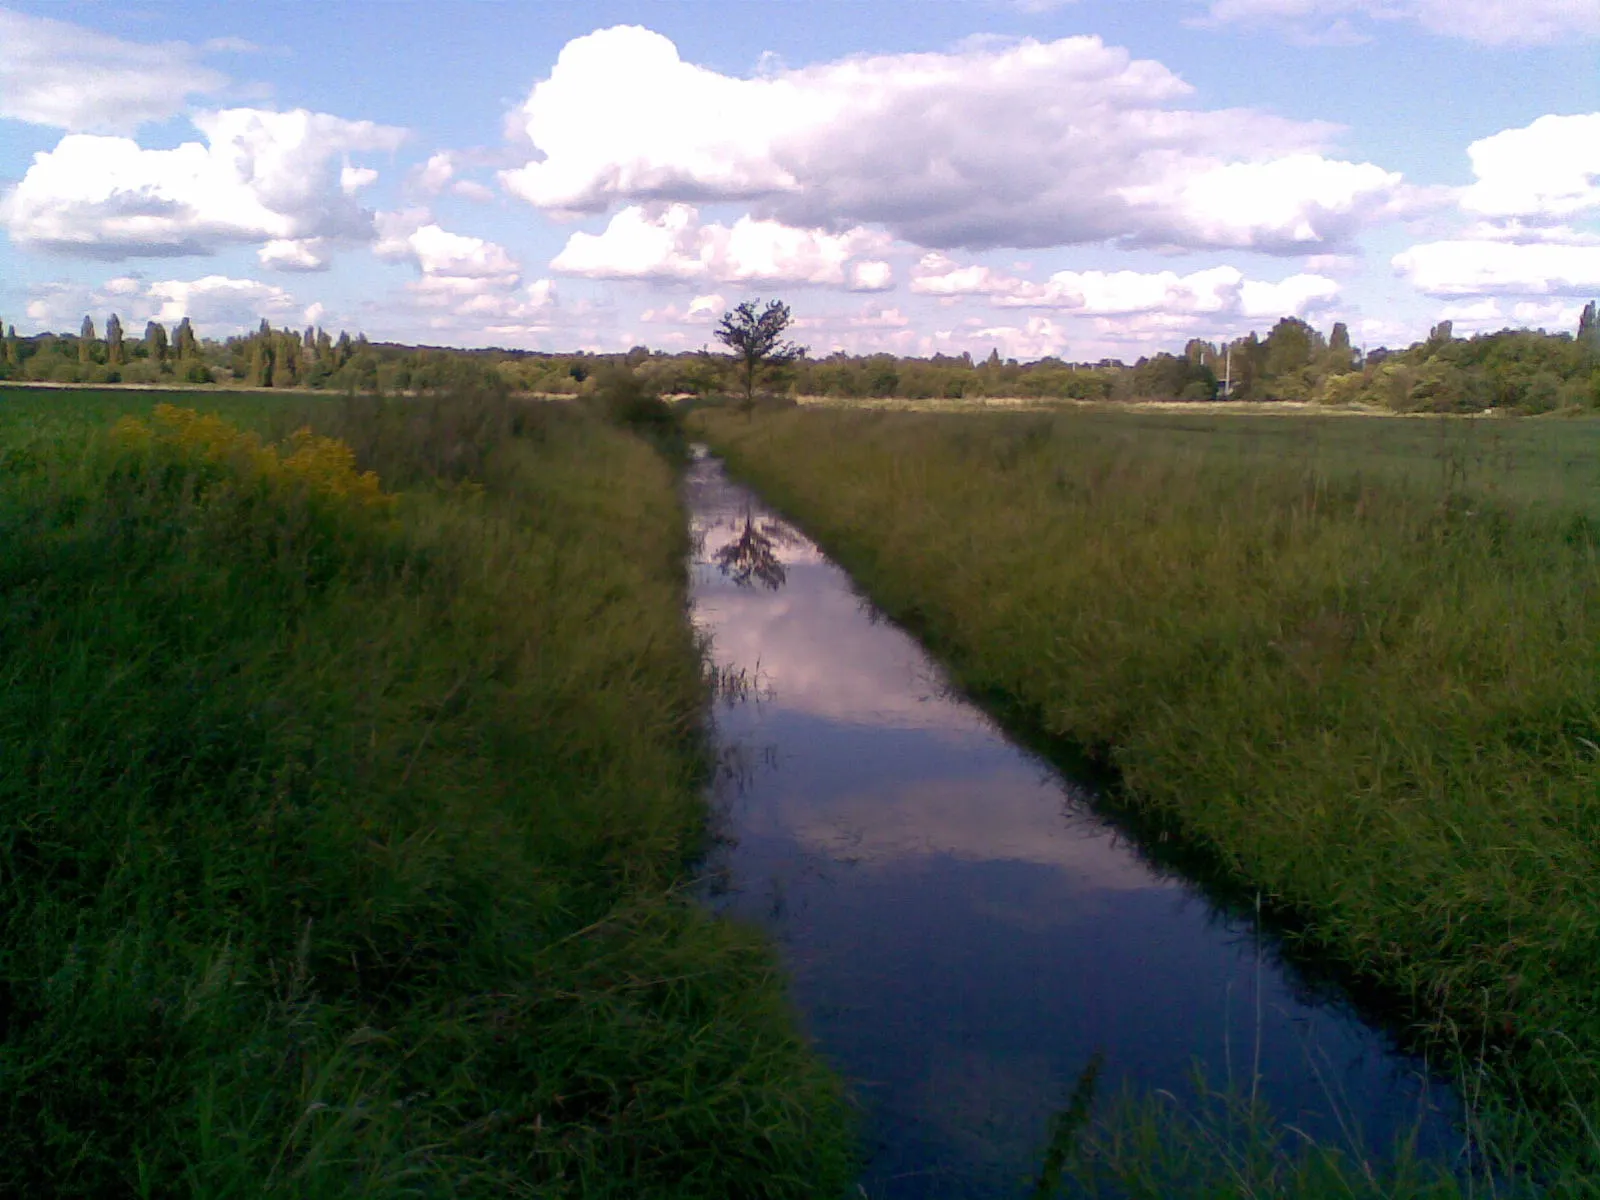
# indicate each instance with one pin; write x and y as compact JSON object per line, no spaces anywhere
{"x":321,"y":465}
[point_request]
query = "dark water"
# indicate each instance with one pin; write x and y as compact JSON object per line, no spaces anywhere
{"x":963,"y":932}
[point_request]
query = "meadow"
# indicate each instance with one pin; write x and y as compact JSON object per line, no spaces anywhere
{"x":350,"y":787}
{"x":1353,"y":664}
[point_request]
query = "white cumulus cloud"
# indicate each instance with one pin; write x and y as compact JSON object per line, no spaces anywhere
{"x":1020,"y":143}
{"x":353,"y":179}
{"x":1535,"y":192}
{"x":871,"y":275}
{"x":1546,"y":171}
{"x":665,"y":243}
{"x":1297,"y":200}
{"x":296,"y":254}
{"x":1466,"y":267}
{"x":1222,"y":291}
{"x":465,"y":281}
{"x":260,"y":176}
{"x":436,"y":172}
{"x":75,"y":78}
{"x":701,"y":310}
{"x":440,"y":252}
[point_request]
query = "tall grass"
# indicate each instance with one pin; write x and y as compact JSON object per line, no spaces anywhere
{"x":343,"y":828}
{"x":1373,"y":699}
{"x":1227,"y":1145}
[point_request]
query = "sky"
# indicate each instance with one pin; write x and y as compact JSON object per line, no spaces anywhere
{"x":1077,"y":178}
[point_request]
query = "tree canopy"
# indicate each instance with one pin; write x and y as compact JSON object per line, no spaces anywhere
{"x":754,"y":337}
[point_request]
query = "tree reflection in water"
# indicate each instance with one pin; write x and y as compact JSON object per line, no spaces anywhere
{"x":752,"y":556}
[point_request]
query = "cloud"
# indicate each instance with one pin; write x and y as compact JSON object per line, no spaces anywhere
{"x":702,"y":310}
{"x":668,"y":243}
{"x":1467,"y":267}
{"x":442,"y":253}
{"x":432,"y":176}
{"x":1543,"y":172}
{"x":449,"y":262}
{"x":438,"y":174}
{"x":216,"y":304}
{"x":75,"y":78}
{"x":1220,"y":291}
{"x":1530,"y":183}
{"x":638,"y":245}
{"x":1296,"y":296}
{"x":353,"y":179}
{"x":466,"y":284}
{"x":1039,"y":338}
{"x":871,"y":275}
{"x":1021,"y":143}
{"x":1487,"y":314}
{"x":260,"y":176}
{"x":1491,"y":22}
{"x":1298,"y":200}
{"x":289,"y":254}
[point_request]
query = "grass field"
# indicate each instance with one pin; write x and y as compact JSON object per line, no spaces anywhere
{"x":344,"y":821}
{"x":1554,"y":460}
{"x":1356,"y":662}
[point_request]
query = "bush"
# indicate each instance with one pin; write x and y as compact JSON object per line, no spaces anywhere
{"x":624,"y":399}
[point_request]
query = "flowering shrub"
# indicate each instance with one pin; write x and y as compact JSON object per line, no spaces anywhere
{"x":215,"y":449}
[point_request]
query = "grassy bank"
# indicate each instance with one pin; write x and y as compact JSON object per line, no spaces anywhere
{"x":1374,"y":696}
{"x":344,"y":818}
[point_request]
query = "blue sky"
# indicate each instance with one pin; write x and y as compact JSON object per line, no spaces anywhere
{"x":1086,"y":178}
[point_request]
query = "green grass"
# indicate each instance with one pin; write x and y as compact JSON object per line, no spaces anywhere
{"x":343,"y":843}
{"x":1361,"y":684}
{"x":35,"y":414}
{"x":1547,"y":460}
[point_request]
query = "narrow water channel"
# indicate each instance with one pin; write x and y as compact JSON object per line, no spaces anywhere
{"x":962,"y":931}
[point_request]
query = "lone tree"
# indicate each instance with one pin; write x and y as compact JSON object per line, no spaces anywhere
{"x":755,"y":340}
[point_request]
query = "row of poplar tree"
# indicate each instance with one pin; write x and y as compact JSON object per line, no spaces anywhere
{"x":283,"y":358}
{"x":266,"y":358}
{"x":116,"y":348}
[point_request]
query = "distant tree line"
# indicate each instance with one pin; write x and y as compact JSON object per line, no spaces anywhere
{"x":1519,"y":370}
{"x":115,"y":358}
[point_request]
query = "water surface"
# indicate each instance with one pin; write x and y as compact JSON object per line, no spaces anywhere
{"x":962,"y":930}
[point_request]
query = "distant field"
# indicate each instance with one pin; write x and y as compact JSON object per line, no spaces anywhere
{"x":1358,"y":661}
{"x":1545,"y":460}
{"x":1554,"y":460}
{"x":29,"y":412}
